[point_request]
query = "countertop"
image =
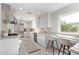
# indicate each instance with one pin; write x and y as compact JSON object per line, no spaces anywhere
{"x":75,"y":48}
{"x":8,"y":37}
{"x":73,"y":39}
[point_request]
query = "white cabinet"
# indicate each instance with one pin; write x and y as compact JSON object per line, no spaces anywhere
{"x":41,"y":39}
{"x":20,"y":27}
{"x":5,"y":17}
{"x":9,"y":46}
{"x":0,"y":18}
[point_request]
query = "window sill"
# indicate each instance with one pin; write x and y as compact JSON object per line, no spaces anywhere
{"x":69,"y":33}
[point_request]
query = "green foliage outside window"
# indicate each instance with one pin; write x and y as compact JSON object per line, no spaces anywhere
{"x":69,"y":27}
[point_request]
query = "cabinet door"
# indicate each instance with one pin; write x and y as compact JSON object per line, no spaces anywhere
{"x":41,"y":39}
{"x":9,"y":46}
{"x":4,"y":27}
{"x":16,"y":28}
{"x":3,"y":47}
{"x":5,"y":14}
{"x":13,"y":46}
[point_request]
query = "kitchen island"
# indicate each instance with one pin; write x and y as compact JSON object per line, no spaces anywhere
{"x":75,"y":49}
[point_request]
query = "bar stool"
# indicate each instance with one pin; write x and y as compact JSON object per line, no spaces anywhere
{"x":51,"y":40}
{"x":65,"y":44}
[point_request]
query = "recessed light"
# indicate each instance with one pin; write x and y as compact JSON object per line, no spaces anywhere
{"x":21,"y":8}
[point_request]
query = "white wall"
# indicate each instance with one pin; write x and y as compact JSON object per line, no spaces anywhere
{"x":34,"y":23}
{"x":54,"y":21}
{"x":0,"y":18}
{"x":42,"y":20}
{"x":28,"y":24}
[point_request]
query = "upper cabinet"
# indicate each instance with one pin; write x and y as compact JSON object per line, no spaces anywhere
{"x":5,"y":12}
{"x":7,"y":15}
{"x":12,"y":18}
{"x":42,"y":21}
{"x":7,"y":18}
{"x":0,"y":18}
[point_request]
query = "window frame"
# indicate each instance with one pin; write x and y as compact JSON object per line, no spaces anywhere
{"x":59,"y":22}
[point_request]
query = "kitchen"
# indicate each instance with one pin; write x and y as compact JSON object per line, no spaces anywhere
{"x":13,"y":29}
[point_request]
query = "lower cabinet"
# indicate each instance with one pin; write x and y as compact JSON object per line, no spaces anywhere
{"x":9,"y":46}
{"x":41,"y":39}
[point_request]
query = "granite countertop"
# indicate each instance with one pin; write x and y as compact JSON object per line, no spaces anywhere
{"x":75,"y":48}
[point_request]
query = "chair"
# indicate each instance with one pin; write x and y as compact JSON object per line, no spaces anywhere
{"x":65,"y":44}
{"x":51,"y":40}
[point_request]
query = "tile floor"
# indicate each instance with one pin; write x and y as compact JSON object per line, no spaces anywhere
{"x":42,"y":51}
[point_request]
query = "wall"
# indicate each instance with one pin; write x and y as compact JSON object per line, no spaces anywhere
{"x":54,"y":17}
{"x":28,"y":24}
{"x":34,"y":23}
{"x":54,"y":20}
{"x":42,"y":20}
{"x":0,"y":18}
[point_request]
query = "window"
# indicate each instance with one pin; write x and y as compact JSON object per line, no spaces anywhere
{"x":70,"y":23}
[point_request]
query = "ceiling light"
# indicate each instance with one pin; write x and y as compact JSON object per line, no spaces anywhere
{"x":21,"y":8}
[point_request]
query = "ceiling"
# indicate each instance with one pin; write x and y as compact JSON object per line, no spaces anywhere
{"x":21,"y":10}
